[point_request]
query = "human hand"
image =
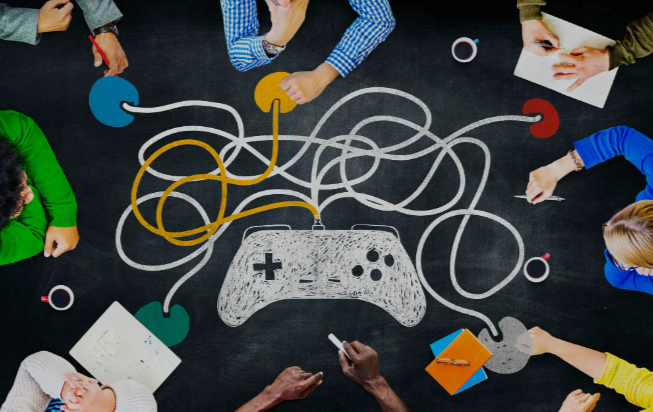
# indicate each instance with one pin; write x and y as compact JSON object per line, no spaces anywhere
{"x":644,"y":271}
{"x":93,"y":398}
{"x":54,"y":16}
{"x":302,"y":87}
{"x":582,"y":63}
{"x":536,"y":30}
{"x":541,"y":183}
{"x":59,"y":240}
{"x":577,"y":401}
{"x":542,"y":341}
{"x":110,"y":45}
{"x":287,"y":17}
{"x":72,"y":389}
{"x":294,"y":383}
{"x":363,"y":367}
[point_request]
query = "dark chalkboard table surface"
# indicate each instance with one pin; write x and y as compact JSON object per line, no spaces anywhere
{"x":177,"y":52}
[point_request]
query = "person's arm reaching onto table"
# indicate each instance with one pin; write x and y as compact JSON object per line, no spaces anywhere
{"x":241,"y":28}
{"x":364,"y":370}
{"x":373,"y":26}
{"x":26,"y":25}
{"x":606,"y":369}
{"x":585,"y":62}
{"x":534,"y":29}
{"x":44,"y":172}
{"x":292,"y":383}
{"x":99,"y":14}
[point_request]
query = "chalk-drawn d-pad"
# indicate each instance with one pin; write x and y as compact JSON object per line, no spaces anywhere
{"x":322,"y":264}
{"x":268,"y":267}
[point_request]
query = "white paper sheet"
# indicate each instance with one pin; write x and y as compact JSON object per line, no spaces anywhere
{"x":537,"y":69}
{"x":119,"y":347}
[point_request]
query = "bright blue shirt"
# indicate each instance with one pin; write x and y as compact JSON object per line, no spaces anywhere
{"x":638,"y":149}
{"x":241,"y":26}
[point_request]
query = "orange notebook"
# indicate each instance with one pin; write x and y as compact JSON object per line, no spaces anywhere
{"x":464,"y":347}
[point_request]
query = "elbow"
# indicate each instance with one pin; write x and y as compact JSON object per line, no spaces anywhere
{"x":387,"y":26}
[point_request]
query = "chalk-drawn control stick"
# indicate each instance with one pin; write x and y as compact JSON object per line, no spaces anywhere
{"x":369,"y":265}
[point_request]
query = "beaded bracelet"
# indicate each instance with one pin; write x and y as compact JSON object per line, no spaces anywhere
{"x":579,"y":167}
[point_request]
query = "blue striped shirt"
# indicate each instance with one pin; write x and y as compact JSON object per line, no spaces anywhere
{"x":54,"y":405}
{"x":241,"y":26}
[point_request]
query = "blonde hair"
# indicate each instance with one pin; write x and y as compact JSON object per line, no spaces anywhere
{"x":629,"y":234}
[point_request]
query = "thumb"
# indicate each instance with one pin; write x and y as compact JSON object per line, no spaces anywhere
{"x":312,"y":380}
{"x":554,"y":40}
{"x":343,"y":360}
{"x":47,"y":250}
{"x":67,"y":9}
{"x":97,"y":57}
{"x":61,"y":247}
{"x":52,"y":4}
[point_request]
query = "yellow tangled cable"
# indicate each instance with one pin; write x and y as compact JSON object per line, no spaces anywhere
{"x":267,"y":95}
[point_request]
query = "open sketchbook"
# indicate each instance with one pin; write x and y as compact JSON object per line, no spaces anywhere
{"x":119,"y":347}
{"x":537,"y":69}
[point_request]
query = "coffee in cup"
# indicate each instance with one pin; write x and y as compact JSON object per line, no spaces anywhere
{"x":537,"y":268}
{"x":60,"y":297}
{"x":464,"y":49}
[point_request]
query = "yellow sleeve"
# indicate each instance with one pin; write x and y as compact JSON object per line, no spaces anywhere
{"x":627,"y":379}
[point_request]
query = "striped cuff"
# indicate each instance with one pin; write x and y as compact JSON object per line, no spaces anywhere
{"x":259,"y":51}
{"x":530,"y":12}
{"x":616,"y":54}
{"x":587,"y":152}
{"x":341,"y":62}
{"x":65,"y":216}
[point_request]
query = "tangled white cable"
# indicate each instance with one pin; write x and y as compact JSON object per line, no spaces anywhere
{"x":343,"y":143}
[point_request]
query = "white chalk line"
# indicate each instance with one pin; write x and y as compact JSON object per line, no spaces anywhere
{"x":343,"y":143}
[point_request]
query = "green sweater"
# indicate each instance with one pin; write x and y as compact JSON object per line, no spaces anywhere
{"x":638,"y":41}
{"x":54,"y":202}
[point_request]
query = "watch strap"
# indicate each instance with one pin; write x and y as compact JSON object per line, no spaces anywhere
{"x":106,"y":29}
{"x":272,"y":49}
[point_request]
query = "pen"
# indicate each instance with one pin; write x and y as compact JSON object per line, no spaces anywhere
{"x":556,"y":198}
{"x":546,"y":44}
{"x":104,"y":57}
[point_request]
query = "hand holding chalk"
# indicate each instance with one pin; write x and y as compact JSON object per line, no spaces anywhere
{"x":338,"y":344}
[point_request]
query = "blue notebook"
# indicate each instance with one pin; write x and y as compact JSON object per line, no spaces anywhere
{"x":438,"y":347}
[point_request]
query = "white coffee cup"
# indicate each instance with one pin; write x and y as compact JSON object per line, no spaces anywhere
{"x":464,"y":40}
{"x":48,"y":298}
{"x":546,"y":265}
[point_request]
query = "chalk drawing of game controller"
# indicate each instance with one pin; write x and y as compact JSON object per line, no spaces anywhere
{"x":366,"y":264}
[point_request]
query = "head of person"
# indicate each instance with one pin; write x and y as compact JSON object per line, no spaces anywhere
{"x":629,"y":235}
{"x":14,"y":191}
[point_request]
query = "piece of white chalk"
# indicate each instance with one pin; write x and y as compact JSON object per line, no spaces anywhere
{"x":338,"y":344}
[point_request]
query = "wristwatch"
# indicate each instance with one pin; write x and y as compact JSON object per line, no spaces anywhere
{"x":111,"y":27}
{"x":272,"y":49}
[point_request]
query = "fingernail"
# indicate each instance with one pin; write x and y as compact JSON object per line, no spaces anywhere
{"x":46,"y":254}
{"x":97,"y":64}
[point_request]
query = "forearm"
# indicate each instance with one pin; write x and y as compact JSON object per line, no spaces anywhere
{"x":386,"y":397}
{"x":19,"y":24}
{"x":374,"y":25}
{"x":637,"y":43}
{"x":98,"y":13}
{"x":565,"y":165}
{"x":586,"y":360}
{"x":530,"y":9}
{"x":262,"y":402}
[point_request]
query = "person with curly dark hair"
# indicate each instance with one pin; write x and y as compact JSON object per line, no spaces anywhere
{"x":37,"y":205}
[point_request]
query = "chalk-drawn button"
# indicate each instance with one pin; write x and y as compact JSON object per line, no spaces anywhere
{"x":357,"y":270}
{"x":376,"y":275}
{"x":389,"y":260}
{"x":373,"y":255}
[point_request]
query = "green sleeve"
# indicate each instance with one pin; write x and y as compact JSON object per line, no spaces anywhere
{"x":637,"y":43}
{"x":41,"y":168}
{"x":530,"y":9}
{"x":24,"y":236}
